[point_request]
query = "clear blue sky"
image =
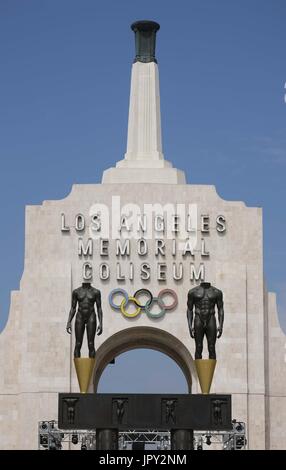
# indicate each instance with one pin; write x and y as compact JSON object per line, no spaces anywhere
{"x":64,"y":90}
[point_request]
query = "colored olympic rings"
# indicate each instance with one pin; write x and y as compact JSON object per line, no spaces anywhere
{"x":143,"y":291}
{"x":115,"y":292}
{"x":147,"y":307}
{"x":123,"y":310}
{"x":161,"y":305}
{"x":173,"y":294}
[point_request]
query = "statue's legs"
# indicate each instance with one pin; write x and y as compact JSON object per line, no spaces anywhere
{"x":211,"y":332}
{"x":91,"y":330}
{"x":199,"y":336}
{"x":79,"y":332}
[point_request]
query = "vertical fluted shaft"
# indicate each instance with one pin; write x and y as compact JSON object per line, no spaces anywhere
{"x":144,"y":141}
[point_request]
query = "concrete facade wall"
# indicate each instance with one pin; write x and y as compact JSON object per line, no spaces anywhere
{"x":275,"y":373}
{"x":36,"y":353}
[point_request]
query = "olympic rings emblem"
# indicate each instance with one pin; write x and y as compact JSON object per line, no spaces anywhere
{"x":147,"y":307}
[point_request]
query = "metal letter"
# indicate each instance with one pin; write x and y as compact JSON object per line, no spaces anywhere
{"x":188,"y":248}
{"x":203,"y":248}
{"x":197,"y":275}
{"x":145,"y":271}
{"x":124,"y":224}
{"x":123,"y":247}
{"x":175,"y":223}
{"x":64,"y":228}
{"x":79,"y":222}
{"x":87,"y":271}
{"x":85,"y":250}
{"x":159,"y":247}
{"x":221,"y":223}
{"x":119,"y":275}
{"x":159,"y":223}
{"x":131,"y":271}
{"x":177,"y":276}
{"x":161,"y":273}
{"x":142,"y":247}
{"x":205,"y":223}
{"x":96,"y":223}
{"x":174,"y":247}
{"x":104,"y":271}
{"x":104,"y":242}
{"x":142,"y":223}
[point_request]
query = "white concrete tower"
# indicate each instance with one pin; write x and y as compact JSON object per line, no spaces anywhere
{"x":144,"y":160}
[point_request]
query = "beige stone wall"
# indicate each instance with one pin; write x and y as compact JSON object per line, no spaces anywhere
{"x":36,"y":352}
{"x":276,"y":377}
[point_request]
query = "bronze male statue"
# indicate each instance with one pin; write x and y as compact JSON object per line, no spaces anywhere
{"x":85,"y":296}
{"x":204,"y":298}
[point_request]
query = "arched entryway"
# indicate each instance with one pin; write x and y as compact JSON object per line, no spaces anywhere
{"x":144,"y":337}
{"x":146,"y":371}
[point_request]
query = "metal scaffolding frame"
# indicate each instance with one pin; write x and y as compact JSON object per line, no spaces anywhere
{"x":50,"y":437}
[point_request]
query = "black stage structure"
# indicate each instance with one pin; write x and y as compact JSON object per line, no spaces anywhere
{"x":110,"y":413}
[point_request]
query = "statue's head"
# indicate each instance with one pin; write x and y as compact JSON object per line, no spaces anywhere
{"x":205,"y":284}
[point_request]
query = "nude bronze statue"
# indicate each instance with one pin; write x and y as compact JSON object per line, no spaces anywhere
{"x":85,"y":297}
{"x":203,"y":299}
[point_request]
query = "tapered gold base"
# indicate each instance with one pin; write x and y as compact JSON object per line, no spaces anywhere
{"x":84,"y":368}
{"x":205,"y":370}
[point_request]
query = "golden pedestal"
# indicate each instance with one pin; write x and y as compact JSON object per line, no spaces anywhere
{"x":205,"y":370}
{"x":84,"y":368}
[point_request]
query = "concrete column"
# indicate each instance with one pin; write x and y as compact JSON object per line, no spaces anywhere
{"x":182,"y":439}
{"x":107,"y":439}
{"x":144,"y":140}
